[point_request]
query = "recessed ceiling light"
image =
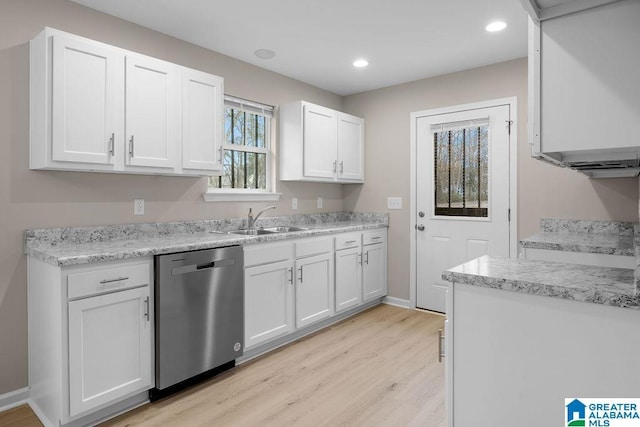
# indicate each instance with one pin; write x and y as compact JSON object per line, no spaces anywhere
{"x":360,"y":63}
{"x":496,"y":26}
{"x":264,"y":53}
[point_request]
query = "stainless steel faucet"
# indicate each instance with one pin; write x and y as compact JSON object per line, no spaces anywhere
{"x":251,"y":220}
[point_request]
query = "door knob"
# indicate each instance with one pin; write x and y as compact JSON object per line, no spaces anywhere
{"x":419,"y":227}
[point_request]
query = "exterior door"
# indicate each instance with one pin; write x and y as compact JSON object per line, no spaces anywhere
{"x":462,"y":194}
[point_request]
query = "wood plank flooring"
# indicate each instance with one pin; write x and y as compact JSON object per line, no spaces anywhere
{"x":379,"y":368}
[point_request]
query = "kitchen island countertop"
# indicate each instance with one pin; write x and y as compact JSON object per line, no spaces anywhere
{"x":599,"y":285}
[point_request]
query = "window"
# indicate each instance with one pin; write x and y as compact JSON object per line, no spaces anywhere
{"x":246,"y":162}
{"x":461,"y":170}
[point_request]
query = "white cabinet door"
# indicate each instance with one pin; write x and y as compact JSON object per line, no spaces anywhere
{"x":348,"y":278}
{"x":350,"y":148}
{"x":152,"y":107}
{"x":314,"y":289}
{"x":109,"y":348}
{"x":86,"y":80}
{"x":320,"y":141}
{"x":374,"y":267}
{"x":268,"y":302}
{"x":202,"y":121}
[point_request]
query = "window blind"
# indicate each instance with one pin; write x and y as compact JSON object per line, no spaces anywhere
{"x":464,"y":124}
{"x":248,"y":106}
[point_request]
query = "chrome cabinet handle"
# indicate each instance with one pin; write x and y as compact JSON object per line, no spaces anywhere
{"x":334,"y":166}
{"x":291,"y":275}
{"x":221,"y":154}
{"x":341,"y":168}
{"x":300,"y":269}
{"x":102,"y":282}
{"x":348,"y":242}
{"x":131,"y":146}
{"x":440,"y":345}
{"x":366,"y":261}
{"x":360,"y":259}
{"x":146,"y":311}
{"x":376,"y":238}
{"x":112,"y":148}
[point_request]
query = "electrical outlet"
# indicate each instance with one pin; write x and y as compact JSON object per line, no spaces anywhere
{"x":294,"y":203}
{"x":320,"y":202}
{"x":138,"y":206}
{"x":394,"y":202}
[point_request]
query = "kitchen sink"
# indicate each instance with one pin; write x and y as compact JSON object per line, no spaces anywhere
{"x":252,"y":232}
{"x":284,"y":229}
{"x":268,"y":230}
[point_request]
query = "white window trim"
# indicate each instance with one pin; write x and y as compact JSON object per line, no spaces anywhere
{"x":240,"y":195}
{"x":248,"y":194}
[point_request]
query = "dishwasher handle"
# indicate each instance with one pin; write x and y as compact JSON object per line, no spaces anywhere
{"x":191,"y":268}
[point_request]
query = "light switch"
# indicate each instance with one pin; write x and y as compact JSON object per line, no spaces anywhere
{"x":394,"y":202}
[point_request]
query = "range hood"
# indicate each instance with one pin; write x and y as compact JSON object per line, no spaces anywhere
{"x":598,"y":163}
{"x":584,"y":96}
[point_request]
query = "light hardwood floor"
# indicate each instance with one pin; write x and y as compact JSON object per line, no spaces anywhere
{"x":379,"y":368}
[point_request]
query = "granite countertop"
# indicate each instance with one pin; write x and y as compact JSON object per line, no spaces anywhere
{"x":82,"y":245}
{"x":600,"y":237}
{"x":599,"y":285}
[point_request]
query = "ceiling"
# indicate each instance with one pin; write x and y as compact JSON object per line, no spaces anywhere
{"x":316,"y":41}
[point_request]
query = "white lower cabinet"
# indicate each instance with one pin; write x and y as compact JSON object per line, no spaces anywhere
{"x":109,"y":348}
{"x":290,"y":285}
{"x":361,"y":268}
{"x":90,"y":338}
{"x":374,"y":264}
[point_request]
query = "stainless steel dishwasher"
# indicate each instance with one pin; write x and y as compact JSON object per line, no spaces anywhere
{"x":199,"y":316}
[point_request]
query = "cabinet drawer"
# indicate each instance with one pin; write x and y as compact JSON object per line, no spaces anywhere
{"x":377,"y":236}
{"x":266,"y":253}
{"x":349,"y":240}
{"x":310,"y":247}
{"x":105,"y":279}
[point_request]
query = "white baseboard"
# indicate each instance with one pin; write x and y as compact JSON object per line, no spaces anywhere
{"x":398,"y":302}
{"x":14,"y":398}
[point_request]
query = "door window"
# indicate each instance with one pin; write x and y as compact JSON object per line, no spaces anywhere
{"x":461,"y":170}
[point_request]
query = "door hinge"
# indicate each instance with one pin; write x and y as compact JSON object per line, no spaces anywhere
{"x":509,"y":123}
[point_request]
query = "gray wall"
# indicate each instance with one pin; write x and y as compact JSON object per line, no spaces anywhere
{"x":543,"y":190}
{"x":33,"y":199}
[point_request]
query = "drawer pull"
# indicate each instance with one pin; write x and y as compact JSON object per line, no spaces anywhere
{"x":348,"y":242}
{"x":146,"y":308}
{"x":440,"y":345}
{"x":102,"y":282}
{"x":376,"y":238}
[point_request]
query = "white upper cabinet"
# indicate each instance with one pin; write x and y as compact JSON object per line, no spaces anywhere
{"x":320,"y":144}
{"x":320,"y":141}
{"x":95,"y":107}
{"x":85,"y":82}
{"x":202,"y":116}
{"x":350,"y":148}
{"x":152,"y":112}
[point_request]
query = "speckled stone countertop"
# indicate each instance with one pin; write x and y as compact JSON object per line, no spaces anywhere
{"x":82,"y":245}
{"x":599,"y":285}
{"x":601,"y":237}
